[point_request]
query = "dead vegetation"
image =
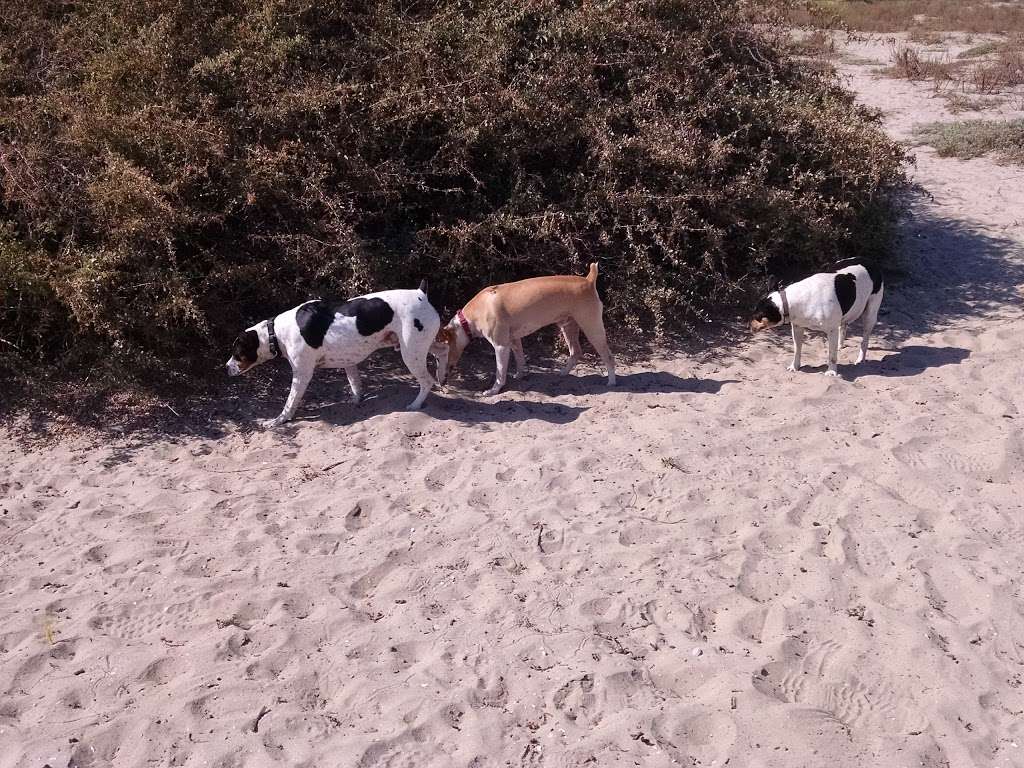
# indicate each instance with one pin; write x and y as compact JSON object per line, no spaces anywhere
{"x":979,"y":77}
{"x":172,"y":170}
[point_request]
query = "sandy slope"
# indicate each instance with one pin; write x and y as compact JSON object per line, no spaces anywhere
{"x":715,"y":562}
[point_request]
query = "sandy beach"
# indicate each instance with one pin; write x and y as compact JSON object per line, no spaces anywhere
{"x":716,"y":563}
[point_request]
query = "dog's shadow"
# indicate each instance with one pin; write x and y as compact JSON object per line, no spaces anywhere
{"x":553,"y":384}
{"x":457,"y":403}
{"x":911,"y":360}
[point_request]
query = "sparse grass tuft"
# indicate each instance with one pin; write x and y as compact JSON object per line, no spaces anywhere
{"x":958,"y":102}
{"x":908,"y":63}
{"x":973,"y":138}
{"x":982,"y":49}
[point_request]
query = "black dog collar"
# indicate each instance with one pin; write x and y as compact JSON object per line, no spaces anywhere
{"x":785,"y":304}
{"x":275,"y":349}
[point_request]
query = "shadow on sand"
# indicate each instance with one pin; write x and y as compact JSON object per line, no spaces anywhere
{"x":909,"y":360}
{"x":949,"y":271}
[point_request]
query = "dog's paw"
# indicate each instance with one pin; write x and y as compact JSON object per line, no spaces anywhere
{"x":793,"y":368}
{"x":491,"y":392}
{"x":860,"y":358}
{"x":831,"y":373}
{"x":272,"y":423}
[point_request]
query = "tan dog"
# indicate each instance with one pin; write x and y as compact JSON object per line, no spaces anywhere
{"x":504,"y":314}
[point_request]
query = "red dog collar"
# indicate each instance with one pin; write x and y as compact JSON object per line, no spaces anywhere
{"x":464,"y":323}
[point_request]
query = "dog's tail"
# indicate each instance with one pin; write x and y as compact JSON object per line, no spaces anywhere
{"x":592,"y":274}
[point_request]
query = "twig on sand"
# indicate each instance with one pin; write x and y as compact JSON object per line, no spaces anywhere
{"x":264,"y":711}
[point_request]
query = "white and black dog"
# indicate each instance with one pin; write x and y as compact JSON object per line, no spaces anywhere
{"x":829,"y":302}
{"x":323,"y":334}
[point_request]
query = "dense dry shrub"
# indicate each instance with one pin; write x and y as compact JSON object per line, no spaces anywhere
{"x":172,"y":168}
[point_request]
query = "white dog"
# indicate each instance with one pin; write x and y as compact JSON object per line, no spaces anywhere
{"x":829,"y":302}
{"x":322,"y":334}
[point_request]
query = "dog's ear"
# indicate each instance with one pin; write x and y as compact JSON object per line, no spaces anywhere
{"x":423,"y":285}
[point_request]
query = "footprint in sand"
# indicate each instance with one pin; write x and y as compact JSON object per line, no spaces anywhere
{"x":576,"y":700}
{"x":489,"y":692}
{"x":366,"y":584}
{"x":986,"y":461}
{"x":550,"y":539}
{"x":133,"y":622}
{"x":867,"y":553}
{"x":441,"y":476}
{"x":358,"y":517}
{"x":822,"y":681}
{"x":160,"y":671}
{"x":762,"y":578}
{"x":318,"y":544}
{"x":695,"y":736}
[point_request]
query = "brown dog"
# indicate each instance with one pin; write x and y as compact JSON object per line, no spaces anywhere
{"x":504,"y":314}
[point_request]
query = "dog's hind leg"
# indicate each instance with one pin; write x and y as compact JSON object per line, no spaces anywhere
{"x":355,"y":382}
{"x":842,"y":334}
{"x":415,"y":348}
{"x":593,"y":329}
{"x":300,"y":380}
{"x":870,"y":318}
{"x":517,"y":350}
{"x":571,"y":334}
{"x":798,"y":343}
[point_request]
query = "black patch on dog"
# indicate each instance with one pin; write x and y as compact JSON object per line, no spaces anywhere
{"x":876,"y":278}
{"x":766,"y":310}
{"x":372,"y":315}
{"x":246,"y":347}
{"x":418,"y":324}
{"x":846,"y":291}
{"x":873,"y":271}
{"x":315,"y":317}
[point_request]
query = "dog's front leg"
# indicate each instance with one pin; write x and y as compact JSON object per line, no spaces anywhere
{"x":833,"y":352}
{"x":798,"y":343}
{"x":501,"y":355}
{"x":300,"y":380}
{"x":355,"y":382}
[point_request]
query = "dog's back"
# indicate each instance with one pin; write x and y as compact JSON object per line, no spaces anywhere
{"x":544,"y":299}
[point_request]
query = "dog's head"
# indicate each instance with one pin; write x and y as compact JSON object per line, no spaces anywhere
{"x":767,"y":314}
{"x":249,"y":349}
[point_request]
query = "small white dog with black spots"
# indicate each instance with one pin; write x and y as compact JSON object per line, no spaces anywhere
{"x":828,"y":302}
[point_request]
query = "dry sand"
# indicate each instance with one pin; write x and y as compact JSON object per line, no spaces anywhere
{"x":716,"y":563}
